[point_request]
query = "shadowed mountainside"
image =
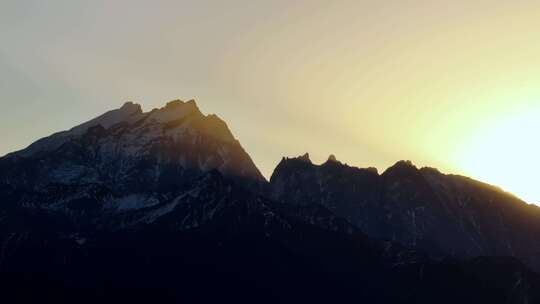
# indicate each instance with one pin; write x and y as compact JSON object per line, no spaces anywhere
{"x":419,"y":208}
{"x":167,"y":206}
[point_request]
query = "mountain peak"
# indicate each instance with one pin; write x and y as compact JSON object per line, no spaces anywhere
{"x":180,"y":103}
{"x":175,"y":110}
{"x":305,"y":158}
{"x":177,"y":134}
{"x":402,"y":167}
{"x":130,"y":106}
{"x":332,"y":158}
{"x":404,"y":164}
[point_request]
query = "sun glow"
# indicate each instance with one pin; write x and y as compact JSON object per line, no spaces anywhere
{"x":506,"y":152}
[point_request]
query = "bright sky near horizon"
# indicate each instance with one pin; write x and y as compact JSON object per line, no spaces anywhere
{"x":448,"y":84}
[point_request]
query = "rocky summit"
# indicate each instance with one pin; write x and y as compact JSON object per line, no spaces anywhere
{"x":127,"y":149}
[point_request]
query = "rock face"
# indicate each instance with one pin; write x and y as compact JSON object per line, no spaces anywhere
{"x":419,"y":208}
{"x":166,"y":206}
{"x":128,"y":150}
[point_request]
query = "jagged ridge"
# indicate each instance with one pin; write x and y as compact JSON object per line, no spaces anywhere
{"x":420,"y":208}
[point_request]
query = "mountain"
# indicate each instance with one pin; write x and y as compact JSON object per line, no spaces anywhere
{"x":217,"y":241}
{"x":166,"y":206}
{"x":419,"y":208}
{"x":119,"y":140}
{"x":112,"y":160}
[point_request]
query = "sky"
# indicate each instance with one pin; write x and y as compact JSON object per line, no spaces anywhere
{"x":447,"y":84}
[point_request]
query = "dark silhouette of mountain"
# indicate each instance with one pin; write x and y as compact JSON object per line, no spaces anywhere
{"x":218,"y":241}
{"x":167,"y":206}
{"x":419,"y":208}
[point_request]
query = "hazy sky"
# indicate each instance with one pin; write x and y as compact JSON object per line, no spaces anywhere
{"x":451,"y":84}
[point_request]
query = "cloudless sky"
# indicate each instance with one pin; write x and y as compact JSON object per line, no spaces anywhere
{"x":449,"y":84}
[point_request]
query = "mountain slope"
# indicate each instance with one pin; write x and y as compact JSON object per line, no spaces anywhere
{"x":419,"y":208}
{"x":126,"y":151}
{"x":218,"y":241}
{"x":167,"y":206}
{"x":176,"y":134}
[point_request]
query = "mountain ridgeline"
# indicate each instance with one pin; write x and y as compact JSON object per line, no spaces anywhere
{"x":167,"y":206}
{"x":419,"y":208}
